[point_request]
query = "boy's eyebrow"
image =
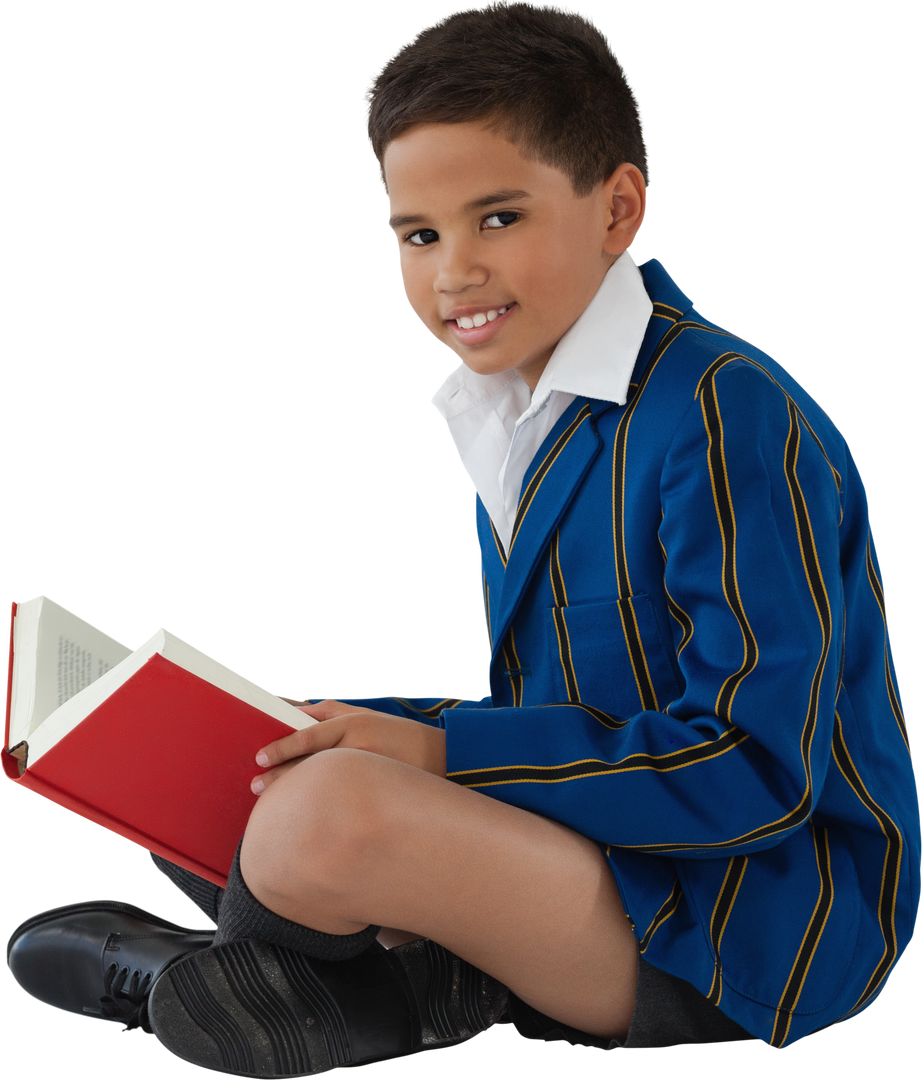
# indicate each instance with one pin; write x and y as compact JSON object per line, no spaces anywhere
{"x":505,"y":195}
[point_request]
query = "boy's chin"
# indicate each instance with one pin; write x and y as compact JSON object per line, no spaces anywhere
{"x":481,"y":366}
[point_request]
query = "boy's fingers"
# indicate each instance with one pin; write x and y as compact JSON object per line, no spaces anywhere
{"x":259,"y":783}
{"x":327,"y":709}
{"x":297,"y":744}
{"x":300,"y":743}
{"x":285,"y":753}
{"x":339,"y":719}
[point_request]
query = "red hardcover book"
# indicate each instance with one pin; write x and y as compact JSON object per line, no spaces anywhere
{"x":158,"y":746}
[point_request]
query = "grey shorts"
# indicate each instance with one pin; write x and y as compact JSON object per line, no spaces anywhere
{"x":667,"y":1011}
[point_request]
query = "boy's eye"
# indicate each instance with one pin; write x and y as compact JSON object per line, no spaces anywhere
{"x":421,"y":233}
{"x":503,"y":213}
{"x":422,"y":238}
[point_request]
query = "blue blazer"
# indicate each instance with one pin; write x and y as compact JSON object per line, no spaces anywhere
{"x":691,"y":666}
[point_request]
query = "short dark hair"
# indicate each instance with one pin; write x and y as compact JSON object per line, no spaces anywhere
{"x":542,"y":77}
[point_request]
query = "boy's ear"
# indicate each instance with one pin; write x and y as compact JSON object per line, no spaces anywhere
{"x":624,"y":194}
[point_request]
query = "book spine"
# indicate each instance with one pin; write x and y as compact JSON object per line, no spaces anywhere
{"x":8,"y":763}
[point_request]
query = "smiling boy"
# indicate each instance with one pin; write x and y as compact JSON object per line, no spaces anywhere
{"x":686,"y":811}
{"x":525,"y":289}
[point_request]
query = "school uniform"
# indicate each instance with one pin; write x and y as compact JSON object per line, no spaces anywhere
{"x":690,"y":662}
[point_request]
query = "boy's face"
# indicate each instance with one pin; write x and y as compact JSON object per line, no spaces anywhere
{"x":490,"y":237}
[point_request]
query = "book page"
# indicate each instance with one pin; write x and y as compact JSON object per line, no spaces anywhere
{"x":56,"y":655}
{"x":77,"y":666}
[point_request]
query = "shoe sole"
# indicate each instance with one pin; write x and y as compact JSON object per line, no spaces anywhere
{"x":259,"y":1010}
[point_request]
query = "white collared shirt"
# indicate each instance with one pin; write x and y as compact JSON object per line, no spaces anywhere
{"x":498,"y":424}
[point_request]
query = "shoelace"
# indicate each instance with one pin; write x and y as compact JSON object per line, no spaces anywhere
{"x":128,"y":1003}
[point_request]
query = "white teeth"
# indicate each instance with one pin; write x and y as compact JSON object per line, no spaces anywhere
{"x":468,"y":322}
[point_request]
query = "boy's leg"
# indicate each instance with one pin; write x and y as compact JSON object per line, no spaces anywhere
{"x":207,"y":896}
{"x":347,"y":838}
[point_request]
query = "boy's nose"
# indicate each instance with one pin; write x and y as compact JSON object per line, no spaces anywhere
{"x":458,"y":268}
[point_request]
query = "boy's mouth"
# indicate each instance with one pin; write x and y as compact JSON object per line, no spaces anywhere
{"x":481,"y":325}
{"x":469,"y":322}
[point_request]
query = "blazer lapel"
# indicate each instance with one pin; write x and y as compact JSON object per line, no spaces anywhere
{"x":560,"y":465}
{"x":549,"y":485}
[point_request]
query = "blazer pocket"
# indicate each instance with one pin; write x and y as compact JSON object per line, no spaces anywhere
{"x":612,"y":655}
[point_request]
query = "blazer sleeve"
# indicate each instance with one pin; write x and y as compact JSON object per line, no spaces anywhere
{"x":425,"y":710}
{"x":750,"y":514}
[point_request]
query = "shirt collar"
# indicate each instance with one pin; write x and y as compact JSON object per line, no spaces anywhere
{"x":594,"y":358}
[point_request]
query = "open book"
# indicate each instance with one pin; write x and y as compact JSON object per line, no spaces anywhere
{"x":158,"y":744}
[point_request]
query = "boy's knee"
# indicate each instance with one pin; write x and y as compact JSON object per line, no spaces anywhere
{"x":315,"y":826}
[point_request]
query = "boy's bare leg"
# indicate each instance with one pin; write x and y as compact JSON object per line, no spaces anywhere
{"x":346,"y":838}
{"x":390,"y":937}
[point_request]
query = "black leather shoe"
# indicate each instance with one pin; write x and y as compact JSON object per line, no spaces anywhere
{"x":100,"y":958}
{"x":265,"y":1011}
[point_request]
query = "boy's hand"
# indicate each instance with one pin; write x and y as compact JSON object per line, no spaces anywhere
{"x":361,"y":729}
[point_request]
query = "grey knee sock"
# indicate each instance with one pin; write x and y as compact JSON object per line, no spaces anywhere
{"x":201,"y":891}
{"x":243,"y":916}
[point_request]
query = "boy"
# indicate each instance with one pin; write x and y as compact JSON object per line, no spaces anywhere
{"x":686,"y":812}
